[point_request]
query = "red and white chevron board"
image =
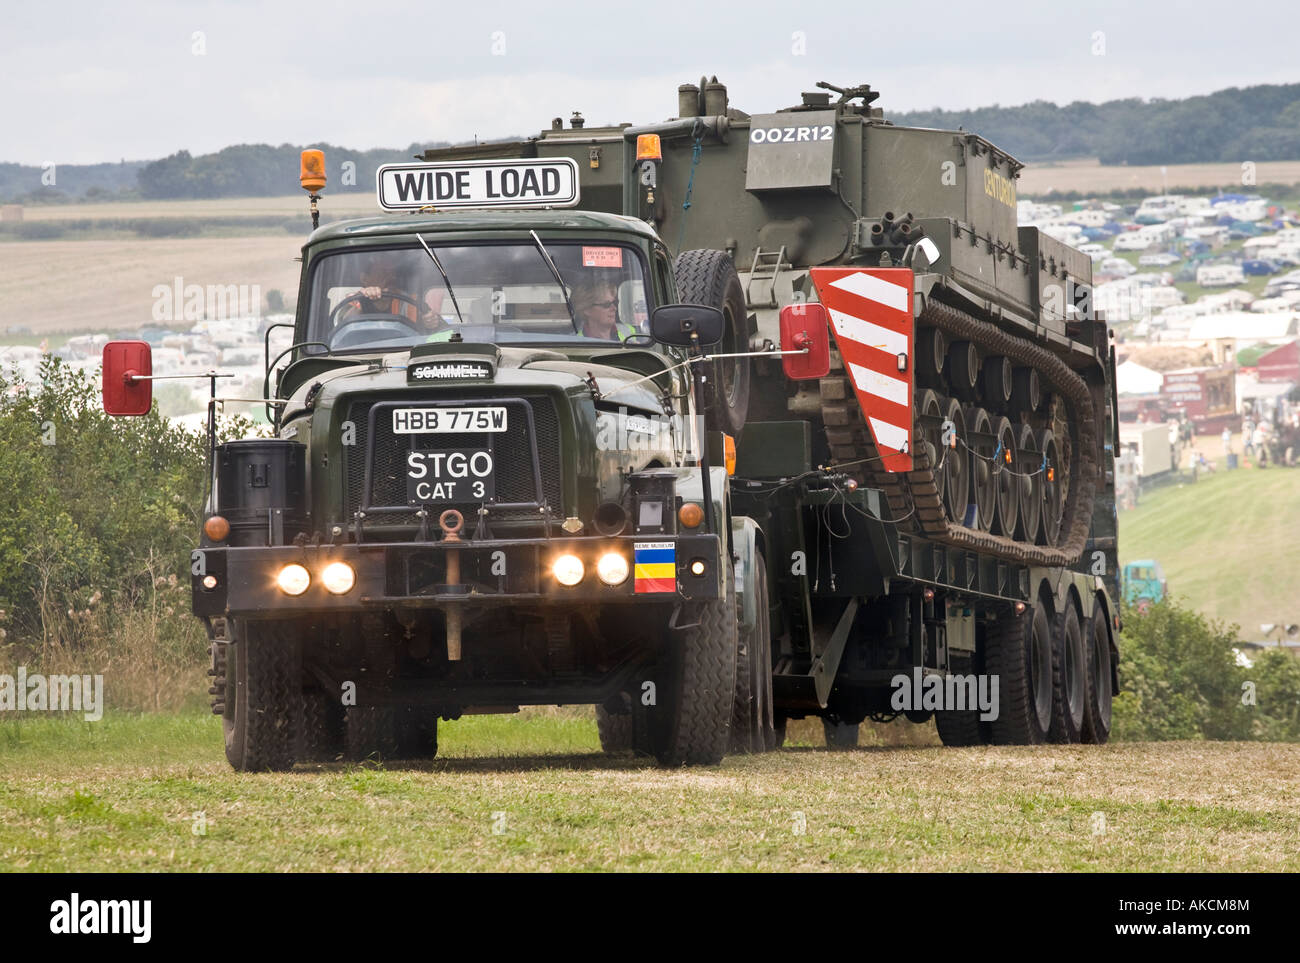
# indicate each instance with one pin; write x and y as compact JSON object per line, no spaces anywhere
{"x":871,"y":316}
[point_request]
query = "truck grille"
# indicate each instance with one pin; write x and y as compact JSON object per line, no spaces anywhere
{"x":513,"y":456}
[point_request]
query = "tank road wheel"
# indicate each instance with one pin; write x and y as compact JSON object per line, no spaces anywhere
{"x":1069,"y":677}
{"x":1031,"y":495}
{"x":1019,"y":653}
{"x":956,"y":463}
{"x":841,"y":735}
{"x":960,"y":727}
{"x":1006,"y":482}
{"x":696,"y":685}
{"x":263,"y":696}
{"x":1051,"y":488}
{"x":709,"y":277}
{"x":417,"y":732}
{"x":984,"y":486}
{"x":753,"y":726}
{"x":1096,"y":722}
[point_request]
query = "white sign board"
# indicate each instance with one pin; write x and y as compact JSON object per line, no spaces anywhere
{"x":552,"y":182}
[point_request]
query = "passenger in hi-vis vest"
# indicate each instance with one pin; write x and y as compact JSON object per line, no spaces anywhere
{"x":596,"y":305}
{"x":380,"y":282}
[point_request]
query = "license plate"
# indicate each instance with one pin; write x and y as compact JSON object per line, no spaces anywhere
{"x":450,"y":476}
{"x":408,"y":421}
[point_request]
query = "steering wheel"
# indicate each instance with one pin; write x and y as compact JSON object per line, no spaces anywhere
{"x":638,"y":338}
{"x":338,"y":342}
{"x":386,"y":296}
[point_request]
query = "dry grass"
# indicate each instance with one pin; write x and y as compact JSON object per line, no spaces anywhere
{"x":531,"y":792}
{"x":106,"y":285}
{"x":1088,"y":177}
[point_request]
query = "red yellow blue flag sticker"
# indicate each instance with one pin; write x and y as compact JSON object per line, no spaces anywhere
{"x":656,"y":567}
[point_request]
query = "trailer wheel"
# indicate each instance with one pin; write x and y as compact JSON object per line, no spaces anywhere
{"x":321,"y":737}
{"x":622,"y":731}
{"x":417,"y":732}
{"x":1096,"y":722}
{"x":709,"y":277}
{"x":696,"y":682}
{"x":959,"y":727}
{"x":1019,"y":654}
{"x":753,"y":727}
{"x":1069,"y":677}
{"x":263,"y":712}
{"x":840,"y":735}
{"x":371,"y":731}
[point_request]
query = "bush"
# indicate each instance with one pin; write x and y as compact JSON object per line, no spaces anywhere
{"x":100,"y":516}
{"x":1180,"y":678}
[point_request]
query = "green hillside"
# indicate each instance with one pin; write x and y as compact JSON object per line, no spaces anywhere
{"x":1229,"y":544}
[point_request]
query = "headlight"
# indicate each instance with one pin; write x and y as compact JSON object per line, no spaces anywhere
{"x":568,"y":570}
{"x":293,"y":579}
{"x":612,"y":568}
{"x":338,"y":577}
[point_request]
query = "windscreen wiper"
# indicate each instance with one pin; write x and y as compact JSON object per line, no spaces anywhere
{"x":573,"y":316}
{"x":445,"y":280}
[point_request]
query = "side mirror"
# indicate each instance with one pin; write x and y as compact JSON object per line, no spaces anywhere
{"x":687,"y":325}
{"x":804,"y":326}
{"x":125,"y":364}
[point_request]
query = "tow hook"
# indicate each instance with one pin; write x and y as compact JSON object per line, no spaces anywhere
{"x":451,"y":522}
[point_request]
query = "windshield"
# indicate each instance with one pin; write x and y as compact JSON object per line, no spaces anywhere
{"x":504,"y":292}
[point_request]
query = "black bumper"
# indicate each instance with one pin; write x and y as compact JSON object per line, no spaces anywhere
{"x":414,"y":575}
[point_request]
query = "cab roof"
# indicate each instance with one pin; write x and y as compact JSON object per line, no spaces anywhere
{"x":387,"y":225}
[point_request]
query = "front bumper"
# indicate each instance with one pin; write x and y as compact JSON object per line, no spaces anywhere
{"x":414,"y":574}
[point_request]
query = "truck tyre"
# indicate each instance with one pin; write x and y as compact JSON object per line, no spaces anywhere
{"x":417,"y":732}
{"x":622,"y":731}
{"x":371,"y":731}
{"x":1019,"y":654}
{"x":959,"y":727}
{"x":841,"y":735}
{"x":263,"y":696}
{"x":320,"y":738}
{"x":691,"y":723}
{"x":709,"y":277}
{"x":1069,"y":677}
{"x":753,"y":727}
{"x":1096,"y":722}
{"x":778,"y":730}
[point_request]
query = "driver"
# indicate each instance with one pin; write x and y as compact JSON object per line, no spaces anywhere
{"x":380,"y":292}
{"x":595,"y":303}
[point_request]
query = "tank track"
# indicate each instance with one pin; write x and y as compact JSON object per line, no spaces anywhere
{"x":915,"y":495}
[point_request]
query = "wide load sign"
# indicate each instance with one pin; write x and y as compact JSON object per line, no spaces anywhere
{"x":494,"y":183}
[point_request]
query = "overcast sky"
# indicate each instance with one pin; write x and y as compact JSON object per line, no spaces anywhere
{"x":87,"y":81}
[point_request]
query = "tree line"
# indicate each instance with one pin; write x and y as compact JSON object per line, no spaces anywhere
{"x":1260,"y":123}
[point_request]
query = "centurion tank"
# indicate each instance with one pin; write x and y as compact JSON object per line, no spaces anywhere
{"x":1007,"y":450}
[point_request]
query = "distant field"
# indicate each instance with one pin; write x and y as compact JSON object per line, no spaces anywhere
{"x":532,"y":792}
{"x":105,"y":285}
{"x":1229,"y":544}
{"x":288,"y":205}
{"x":1089,"y":177}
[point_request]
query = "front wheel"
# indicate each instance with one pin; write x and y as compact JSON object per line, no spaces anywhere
{"x":691,"y":721}
{"x":263,"y":712}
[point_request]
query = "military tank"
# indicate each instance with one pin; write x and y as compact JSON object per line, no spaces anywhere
{"x":1008,"y":369}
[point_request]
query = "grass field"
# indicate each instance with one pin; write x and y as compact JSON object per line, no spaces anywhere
{"x":1229,"y":544}
{"x":532,"y":792}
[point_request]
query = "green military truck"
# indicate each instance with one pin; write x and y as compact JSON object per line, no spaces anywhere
{"x":525,"y":452}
